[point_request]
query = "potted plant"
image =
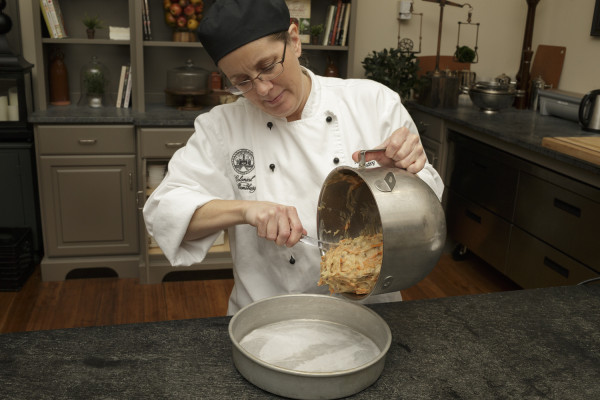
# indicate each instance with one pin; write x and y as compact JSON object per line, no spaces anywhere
{"x":92,"y":23}
{"x":95,"y":79}
{"x":394,"y":68}
{"x":315,"y":33}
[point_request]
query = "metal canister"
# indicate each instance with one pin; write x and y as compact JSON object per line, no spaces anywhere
{"x":398,"y":204}
{"x":534,"y":94}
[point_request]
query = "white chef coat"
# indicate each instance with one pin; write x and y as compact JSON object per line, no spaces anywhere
{"x":238,"y":152}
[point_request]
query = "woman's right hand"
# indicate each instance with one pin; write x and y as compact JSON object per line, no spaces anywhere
{"x":275,"y":222}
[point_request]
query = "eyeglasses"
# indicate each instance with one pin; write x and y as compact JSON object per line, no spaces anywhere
{"x":267,"y":74}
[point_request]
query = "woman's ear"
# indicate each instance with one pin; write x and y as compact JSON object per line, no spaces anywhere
{"x":295,"y":39}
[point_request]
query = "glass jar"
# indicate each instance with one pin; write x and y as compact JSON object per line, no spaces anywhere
{"x":95,"y":80}
{"x":188,"y":79}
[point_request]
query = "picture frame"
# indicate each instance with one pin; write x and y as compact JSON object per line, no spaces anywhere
{"x":595,"y":31}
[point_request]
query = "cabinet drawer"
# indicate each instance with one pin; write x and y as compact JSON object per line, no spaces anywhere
{"x":162,"y":143}
{"x":534,"y":264}
{"x":560,"y":217}
{"x":85,"y":139}
{"x":484,"y":233}
{"x":485,"y":176}
{"x":428,"y":125}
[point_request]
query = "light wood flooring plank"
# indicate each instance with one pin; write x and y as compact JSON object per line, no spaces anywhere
{"x":107,"y":301}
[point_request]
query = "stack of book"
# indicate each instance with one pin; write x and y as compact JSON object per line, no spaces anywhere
{"x":124,"y":91}
{"x":118,"y":33}
{"x":53,"y":18}
{"x":336,"y":24}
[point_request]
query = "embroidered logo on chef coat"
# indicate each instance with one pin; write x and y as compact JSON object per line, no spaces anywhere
{"x":242,"y":162}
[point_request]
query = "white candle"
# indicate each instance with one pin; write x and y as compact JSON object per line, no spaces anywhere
{"x":13,"y":113}
{"x":13,"y":96}
{"x":3,"y":108}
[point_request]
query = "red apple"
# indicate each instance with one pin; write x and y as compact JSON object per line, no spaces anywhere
{"x":170,"y":19}
{"x":189,"y":10}
{"x":166,"y":4}
{"x":175,"y":9}
{"x":183,"y":3}
{"x":181,"y":21}
{"x":199,"y":8}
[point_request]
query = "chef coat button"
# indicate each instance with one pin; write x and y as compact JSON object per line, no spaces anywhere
{"x":292,"y":260}
{"x":272,"y":166}
{"x":269,"y":125}
{"x":336,"y":160}
{"x":328,"y":119}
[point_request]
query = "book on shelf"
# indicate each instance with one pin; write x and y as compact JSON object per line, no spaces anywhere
{"x":122,"y":96}
{"x":146,"y":21}
{"x":47,"y":18}
{"x":121,"y":85}
{"x":328,"y":23}
{"x":300,"y":15}
{"x":344,"y":33}
{"x":127,"y":97}
{"x":334,"y":26}
{"x":118,"y":33}
{"x":56,"y":17}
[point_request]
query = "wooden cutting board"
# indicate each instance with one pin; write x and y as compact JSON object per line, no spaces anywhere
{"x":583,"y":147}
{"x":548,"y":62}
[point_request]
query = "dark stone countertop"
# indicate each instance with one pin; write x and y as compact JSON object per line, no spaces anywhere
{"x":155,"y":115}
{"x":524,"y":129}
{"x":526,"y":344}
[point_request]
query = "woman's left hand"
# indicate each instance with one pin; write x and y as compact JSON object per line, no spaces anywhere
{"x":403,"y":149}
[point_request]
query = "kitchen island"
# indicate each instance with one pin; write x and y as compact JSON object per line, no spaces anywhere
{"x":539,"y":343}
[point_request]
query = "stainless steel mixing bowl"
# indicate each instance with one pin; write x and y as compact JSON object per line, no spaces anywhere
{"x":391,"y":201}
{"x":492,"y":97}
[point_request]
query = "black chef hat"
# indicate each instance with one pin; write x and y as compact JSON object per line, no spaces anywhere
{"x":230,"y":24}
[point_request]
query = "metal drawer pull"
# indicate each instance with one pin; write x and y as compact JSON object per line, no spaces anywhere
{"x":470,"y":214}
{"x":556,"y":267}
{"x":571,"y":209}
{"x":87,"y":141}
{"x":173,"y":145}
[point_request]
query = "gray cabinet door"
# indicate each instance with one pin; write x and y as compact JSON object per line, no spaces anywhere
{"x":88,"y":205}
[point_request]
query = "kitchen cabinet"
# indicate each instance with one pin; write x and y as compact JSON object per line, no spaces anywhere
{"x":87,"y":185}
{"x":156,"y":147}
{"x":149,"y":59}
{"x":538,"y":227}
{"x":433,"y":138}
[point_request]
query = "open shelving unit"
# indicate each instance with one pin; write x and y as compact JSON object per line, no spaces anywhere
{"x":150,"y":59}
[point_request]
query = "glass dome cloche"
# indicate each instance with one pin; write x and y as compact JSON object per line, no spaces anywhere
{"x":95,"y":81}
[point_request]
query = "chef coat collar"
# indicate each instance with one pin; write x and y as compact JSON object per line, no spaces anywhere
{"x":314,"y":98}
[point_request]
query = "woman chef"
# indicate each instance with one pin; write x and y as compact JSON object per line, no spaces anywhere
{"x":256,"y":166}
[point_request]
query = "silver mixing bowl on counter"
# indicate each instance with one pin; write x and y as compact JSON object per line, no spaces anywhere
{"x":492,"y":96}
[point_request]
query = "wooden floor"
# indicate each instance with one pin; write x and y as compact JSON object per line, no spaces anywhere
{"x":109,"y":301}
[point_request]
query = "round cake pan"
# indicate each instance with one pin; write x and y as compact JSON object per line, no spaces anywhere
{"x":309,"y":346}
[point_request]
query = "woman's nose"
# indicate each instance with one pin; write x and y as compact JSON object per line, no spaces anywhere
{"x":262,"y":87}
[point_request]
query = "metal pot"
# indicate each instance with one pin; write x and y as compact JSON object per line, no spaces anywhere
{"x":391,"y":201}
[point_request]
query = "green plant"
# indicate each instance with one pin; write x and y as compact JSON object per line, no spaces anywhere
{"x":393,"y":68}
{"x":315,"y":30}
{"x":92,"y":22}
{"x":94,"y":82}
{"x":465,"y":54}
